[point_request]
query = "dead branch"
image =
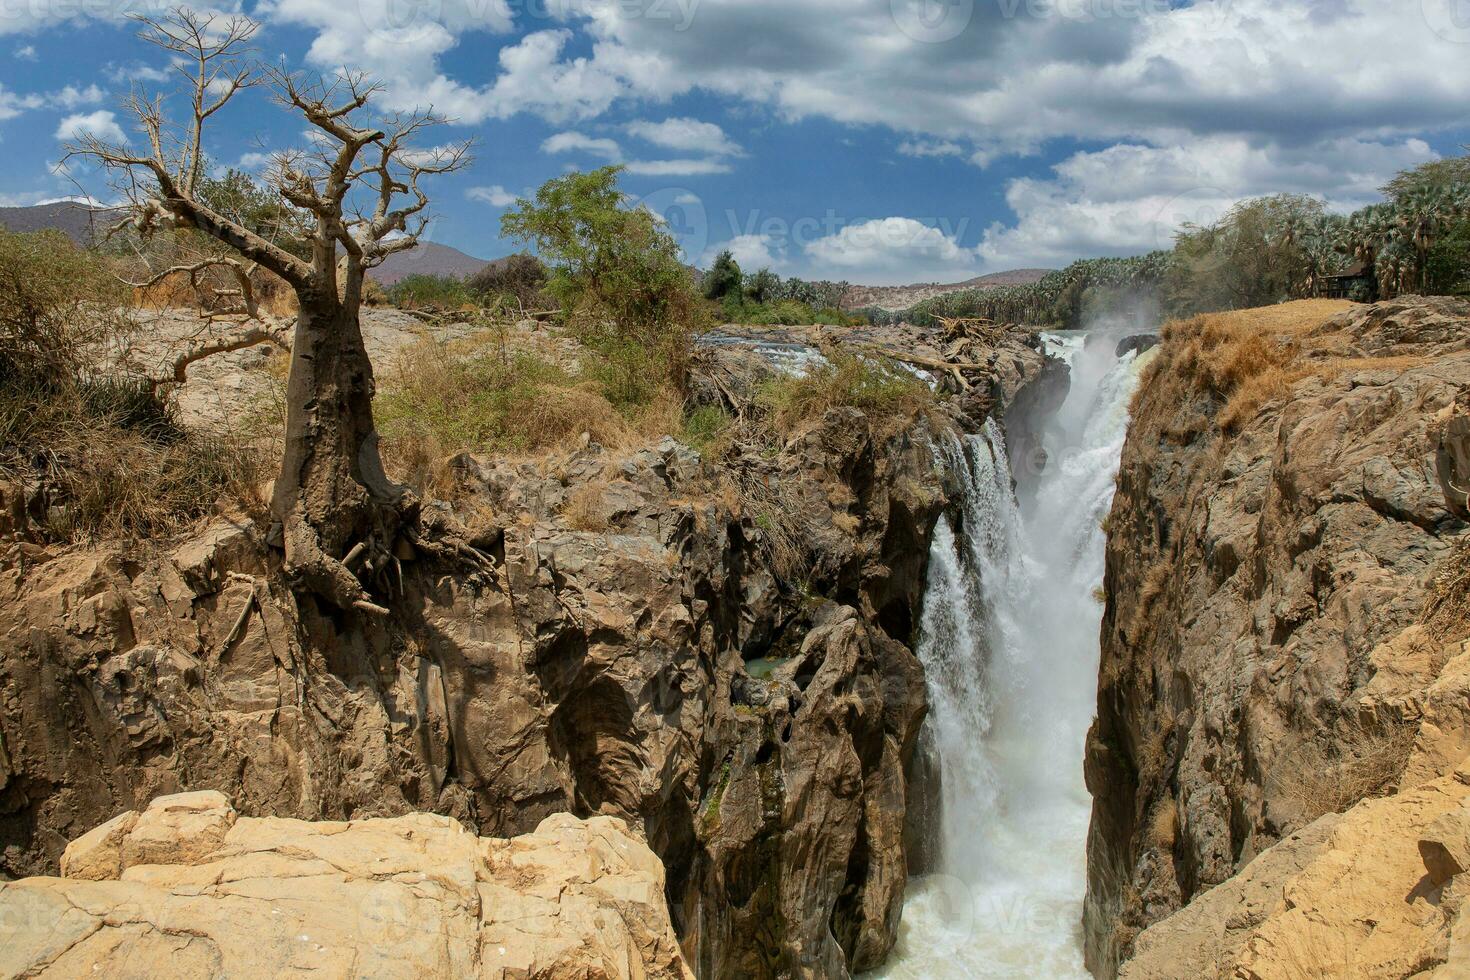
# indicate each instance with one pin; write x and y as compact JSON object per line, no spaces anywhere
{"x":176,"y":371}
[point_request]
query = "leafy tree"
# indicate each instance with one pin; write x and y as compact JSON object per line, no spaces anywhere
{"x":1252,"y":256}
{"x":617,"y":273}
{"x":762,"y":286}
{"x":724,"y":278}
{"x":1446,"y":174}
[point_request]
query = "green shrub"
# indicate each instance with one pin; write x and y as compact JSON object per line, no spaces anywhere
{"x":420,"y":290}
{"x":877,"y":385}
{"x":724,"y":278}
{"x":618,"y":274}
{"x":708,"y":429}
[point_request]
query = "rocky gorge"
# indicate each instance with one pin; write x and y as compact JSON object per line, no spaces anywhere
{"x":682,"y":721}
{"x":717,"y":655}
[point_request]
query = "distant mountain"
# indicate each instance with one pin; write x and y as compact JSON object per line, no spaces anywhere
{"x":78,"y":221}
{"x":430,"y":259}
{"x":81,"y":223}
{"x":902,"y":297}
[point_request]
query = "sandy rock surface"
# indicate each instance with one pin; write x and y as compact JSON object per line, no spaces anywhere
{"x":189,"y":889}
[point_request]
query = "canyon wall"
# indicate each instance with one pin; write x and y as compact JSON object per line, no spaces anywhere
{"x":718,"y":654}
{"x":1284,"y":691}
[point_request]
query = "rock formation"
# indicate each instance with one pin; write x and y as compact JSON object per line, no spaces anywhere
{"x":718,"y":655}
{"x":189,"y":889}
{"x":1284,"y":697}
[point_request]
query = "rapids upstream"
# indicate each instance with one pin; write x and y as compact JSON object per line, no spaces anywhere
{"x":1009,"y":642}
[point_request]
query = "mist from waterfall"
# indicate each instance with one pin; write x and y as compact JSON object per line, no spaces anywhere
{"x":1009,"y":641}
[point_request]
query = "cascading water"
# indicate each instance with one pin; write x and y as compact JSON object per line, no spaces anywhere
{"x":1009,"y":641}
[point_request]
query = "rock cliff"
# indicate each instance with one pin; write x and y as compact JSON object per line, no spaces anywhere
{"x":189,"y":889}
{"x":1283,"y":718}
{"x":717,"y":654}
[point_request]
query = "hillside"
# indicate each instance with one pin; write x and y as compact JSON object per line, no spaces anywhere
{"x":78,"y":221}
{"x":902,"y":297}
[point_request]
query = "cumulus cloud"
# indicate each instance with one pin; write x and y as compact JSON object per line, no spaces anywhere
{"x":930,"y":148}
{"x":494,"y":195}
{"x":890,"y":251}
{"x":1005,"y":78}
{"x":102,"y":124}
{"x":1132,"y":198}
{"x":574,"y":142}
{"x":676,"y":168}
{"x":751,"y":251}
{"x":685,"y":135}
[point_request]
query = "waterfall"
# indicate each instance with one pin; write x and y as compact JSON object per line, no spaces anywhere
{"x":1009,"y":642}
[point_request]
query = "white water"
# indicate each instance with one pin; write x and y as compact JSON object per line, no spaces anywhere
{"x":1009,"y":641}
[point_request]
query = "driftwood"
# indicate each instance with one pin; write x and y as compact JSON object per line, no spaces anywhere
{"x":955,"y":369}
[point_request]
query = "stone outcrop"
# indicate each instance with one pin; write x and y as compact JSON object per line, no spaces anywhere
{"x":718,"y":655}
{"x":1284,"y":694}
{"x":187,"y":888}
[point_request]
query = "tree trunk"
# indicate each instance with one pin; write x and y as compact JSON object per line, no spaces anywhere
{"x":332,"y":493}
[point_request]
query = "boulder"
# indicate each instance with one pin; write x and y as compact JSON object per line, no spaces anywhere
{"x":414,"y":897}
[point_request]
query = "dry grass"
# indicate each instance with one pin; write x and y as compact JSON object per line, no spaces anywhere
{"x":1163,"y":827}
{"x":115,"y":463}
{"x":176,"y":291}
{"x":1155,"y":582}
{"x":883,"y":390}
{"x":1247,"y":359}
{"x":1335,"y":770}
{"x":586,"y":508}
{"x":475,"y":395}
{"x":1447,"y":602}
{"x":775,"y":514}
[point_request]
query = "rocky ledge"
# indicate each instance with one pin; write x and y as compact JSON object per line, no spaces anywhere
{"x":189,"y":889}
{"x":1283,"y":716}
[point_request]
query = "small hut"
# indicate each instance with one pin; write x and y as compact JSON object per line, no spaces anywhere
{"x":1357,"y":282}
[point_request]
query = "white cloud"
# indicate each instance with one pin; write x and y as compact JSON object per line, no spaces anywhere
{"x":72,"y":97}
{"x":102,"y":124}
{"x":494,"y":195}
{"x":930,"y":148}
{"x":25,"y":52}
{"x":891,"y":251}
{"x":685,"y":135}
{"x":573,"y":142}
{"x":752,"y":252}
{"x":254,"y":161}
{"x":1130,"y":198}
{"x":676,"y":168}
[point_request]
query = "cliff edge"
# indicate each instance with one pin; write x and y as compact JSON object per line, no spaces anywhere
{"x":1283,"y":716}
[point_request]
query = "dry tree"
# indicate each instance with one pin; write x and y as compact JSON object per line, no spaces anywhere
{"x":358,"y":187}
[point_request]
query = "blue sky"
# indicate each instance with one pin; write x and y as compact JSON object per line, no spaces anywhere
{"x":879,"y":141}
